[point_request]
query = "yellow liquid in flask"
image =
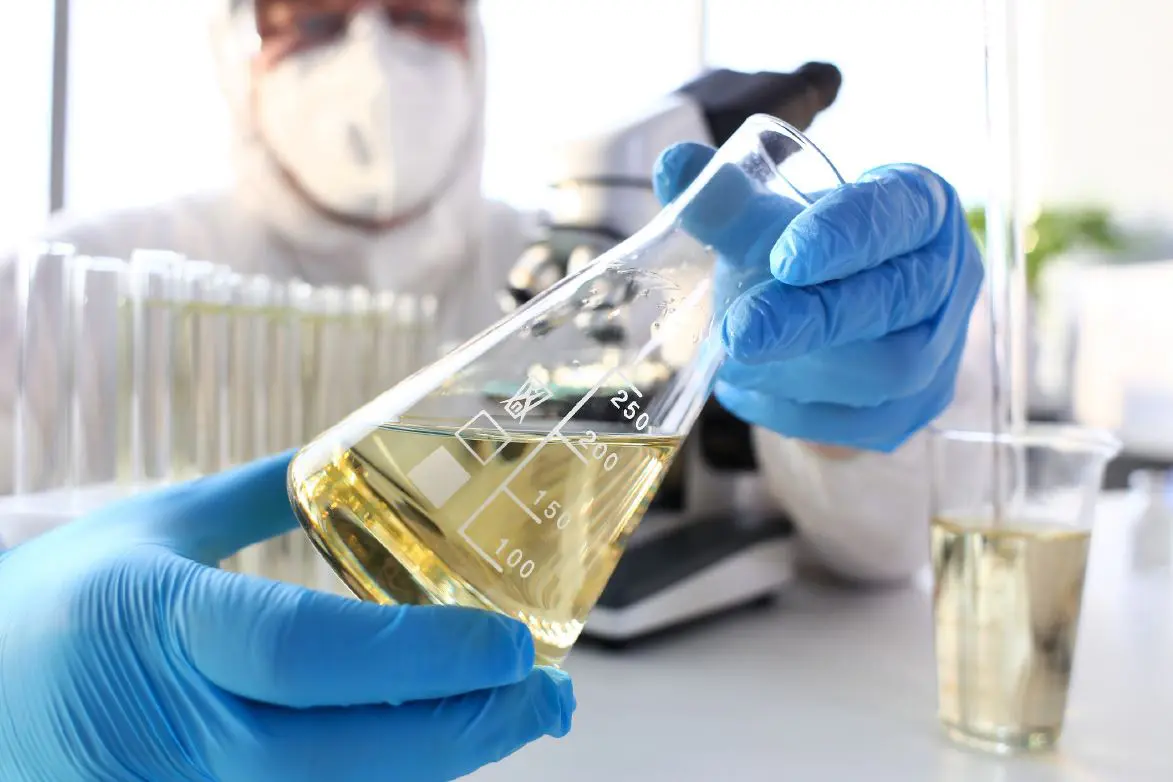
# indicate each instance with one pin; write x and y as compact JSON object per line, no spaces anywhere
{"x":528,"y":524}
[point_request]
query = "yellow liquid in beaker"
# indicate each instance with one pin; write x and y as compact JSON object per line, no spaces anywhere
{"x":1006,"y":608}
{"x":526,"y":524}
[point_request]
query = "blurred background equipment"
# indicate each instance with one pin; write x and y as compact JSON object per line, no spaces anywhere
{"x":1122,"y":378}
{"x":1152,"y":531}
{"x":1089,"y":234}
{"x":157,"y":368}
{"x":83,"y":65}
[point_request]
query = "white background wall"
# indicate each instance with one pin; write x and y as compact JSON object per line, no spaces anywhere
{"x":557,"y":64}
{"x":1108,"y":105}
{"x":26,"y":52}
{"x":912,"y":76}
{"x":145,"y":116}
{"x":146,"y":121}
{"x":1097,"y":90}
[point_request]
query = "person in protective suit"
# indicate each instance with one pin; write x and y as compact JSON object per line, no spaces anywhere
{"x":124,"y":653}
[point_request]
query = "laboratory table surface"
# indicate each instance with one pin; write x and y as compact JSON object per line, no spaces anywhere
{"x":834,"y":684}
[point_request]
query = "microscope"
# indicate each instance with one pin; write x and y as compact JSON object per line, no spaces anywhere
{"x":711,"y":541}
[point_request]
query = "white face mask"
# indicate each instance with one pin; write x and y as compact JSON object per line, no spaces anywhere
{"x":370,"y":126}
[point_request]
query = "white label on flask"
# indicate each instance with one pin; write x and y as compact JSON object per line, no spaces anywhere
{"x":438,"y":477}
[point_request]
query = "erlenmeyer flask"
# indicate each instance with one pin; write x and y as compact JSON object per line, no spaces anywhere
{"x":509,"y":474}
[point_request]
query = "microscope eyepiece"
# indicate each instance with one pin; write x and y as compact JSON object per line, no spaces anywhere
{"x":728,"y":98}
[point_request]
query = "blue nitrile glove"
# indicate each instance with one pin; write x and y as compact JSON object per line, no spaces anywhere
{"x":124,"y":658}
{"x":845,"y":324}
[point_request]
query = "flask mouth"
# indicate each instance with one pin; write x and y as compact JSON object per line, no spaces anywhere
{"x":764,"y":155}
{"x":799,"y":168}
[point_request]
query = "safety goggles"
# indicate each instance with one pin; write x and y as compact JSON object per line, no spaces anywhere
{"x":286,"y":26}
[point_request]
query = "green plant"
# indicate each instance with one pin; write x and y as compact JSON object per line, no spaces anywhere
{"x":1054,"y":232}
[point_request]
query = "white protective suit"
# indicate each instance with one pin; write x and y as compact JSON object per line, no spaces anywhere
{"x":413,"y":125}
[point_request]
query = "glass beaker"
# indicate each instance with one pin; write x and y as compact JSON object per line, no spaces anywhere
{"x":1012,"y":517}
{"x":509,"y":474}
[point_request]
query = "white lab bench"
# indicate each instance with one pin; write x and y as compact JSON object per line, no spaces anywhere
{"x":839,"y":685}
{"x":835,"y":685}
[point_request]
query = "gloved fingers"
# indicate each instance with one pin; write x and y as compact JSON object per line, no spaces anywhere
{"x":211,"y":518}
{"x":891,"y":211}
{"x":775,"y":321}
{"x":285,"y":645}
{"x":730,"y":282}
{"x":732,"y":213}
{"x":860,"y":374}
{"x":429,"y":740}
{"x":677,"y":167}
{"x":883,"y":427}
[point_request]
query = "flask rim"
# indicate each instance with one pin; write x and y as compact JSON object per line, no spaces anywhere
{"x":1056,"y":437}
{"x":758,"y":124}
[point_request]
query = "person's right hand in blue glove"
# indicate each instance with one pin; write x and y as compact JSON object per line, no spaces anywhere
{"x":845,"y":322}
{"x":124,"y":656}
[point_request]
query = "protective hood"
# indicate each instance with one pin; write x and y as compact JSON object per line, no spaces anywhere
{"x":372,"y":127}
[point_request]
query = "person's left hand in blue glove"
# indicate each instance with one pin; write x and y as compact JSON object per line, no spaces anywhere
{"x":845,"y":322}
{"x":124,"y":656}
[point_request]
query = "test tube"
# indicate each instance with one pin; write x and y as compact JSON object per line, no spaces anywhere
{"x":341,"y":379}
{"x":419,"y":331}
{"x":323,"y":367}
{"x":298,"y":297}
{"x":282,"y":370}
{"x":257,"y":305}
{"x":307,"y":335}
{"x":181,"y":386}
{"x":44,"y":367}
{"x":201,"y":370}
{"x":234,"y":413}
{"x":127,"y":451}
{"x":404,"y":343}
{"x":99,"y":414}
{"x":231,"y":285}
{"x":229,"y":414}
{"x":316,"y":344}
{"x":247,"y":387}
{"x":308,"y":310}
{"x":361,"y":339}
{"x":154,"y":291}
{"x":383,"y":358}
{"x":429,"y":333}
